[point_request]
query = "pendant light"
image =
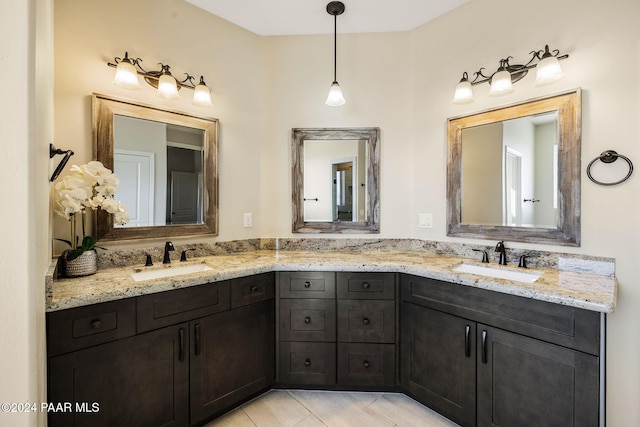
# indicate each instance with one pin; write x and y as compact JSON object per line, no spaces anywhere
{"x":335,"y":97}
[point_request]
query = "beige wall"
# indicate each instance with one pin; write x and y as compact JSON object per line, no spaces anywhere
{"x":400,"y":82}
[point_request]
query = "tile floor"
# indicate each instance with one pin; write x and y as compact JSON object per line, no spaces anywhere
{"x":310,"y":408}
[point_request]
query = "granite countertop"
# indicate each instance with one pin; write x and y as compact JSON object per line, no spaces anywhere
{"x":590,"y":291}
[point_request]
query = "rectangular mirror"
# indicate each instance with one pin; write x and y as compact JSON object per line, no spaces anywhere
{"x":335,"y":180}
{"x":514,"y":173}
{"x":167,"y":166}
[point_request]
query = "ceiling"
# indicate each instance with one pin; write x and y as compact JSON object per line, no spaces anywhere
{"x":295,"y":17}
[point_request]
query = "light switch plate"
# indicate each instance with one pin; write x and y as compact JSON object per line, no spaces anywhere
{"x":425,"y":220}
{"x":248,"y":220}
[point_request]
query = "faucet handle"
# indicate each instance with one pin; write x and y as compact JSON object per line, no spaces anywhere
{"x":148,"y":261}
{"x":183,"y":255}
{"x":485,"y":255}
{"x":523,"y":261}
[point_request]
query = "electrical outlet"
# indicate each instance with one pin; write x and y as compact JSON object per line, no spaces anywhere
{"x":248,"y":220}
{"x":425,"y":220}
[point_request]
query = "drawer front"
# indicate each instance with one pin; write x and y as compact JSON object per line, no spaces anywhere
{"x":307,"y":320}
{"x":366,"y":285}
{"x":82,"y":327}
{"x":307,"y":363}
{"x":181,"y":305}
{"x":366,"y":321}
{"x":366,"y":364}
{"x":305,"y":284}
{"x":563,"y":325}
{"x":253,"y":289}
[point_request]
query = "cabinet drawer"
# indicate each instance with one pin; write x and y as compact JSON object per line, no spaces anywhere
{"x":366,"y":285}
{"x":305,"y":284}
{"x":366,"y":321}
{"x":307,"y":363}
{"x":83,"y":327}
{"x":567,"y":326}
{"x":366,"y":364}
{"x":307,"y":320}
{"x":181,"y":305}
{"x":253,"y":289}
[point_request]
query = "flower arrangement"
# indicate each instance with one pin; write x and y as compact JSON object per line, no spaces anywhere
{"x":90,"y":186}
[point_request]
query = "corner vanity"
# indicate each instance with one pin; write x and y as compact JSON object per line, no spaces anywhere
{"x":182,"y":350}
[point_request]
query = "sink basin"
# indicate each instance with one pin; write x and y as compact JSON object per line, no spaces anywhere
{"x":498,"y":273}
{"x":169,"y":272}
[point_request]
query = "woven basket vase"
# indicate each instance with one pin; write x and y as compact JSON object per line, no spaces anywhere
{"x":85,"y":265}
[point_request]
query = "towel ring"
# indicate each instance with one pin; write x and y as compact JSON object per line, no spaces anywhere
{"x":610,"y":156}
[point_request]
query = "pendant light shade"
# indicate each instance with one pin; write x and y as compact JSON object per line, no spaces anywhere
{"x":126,"y":75}
{"x":335,"y":97}
{"x":167,"y":85}
{"x":202,"y":95}
{"x":548,"y":69}
{"x":501,"y":82}
{"x":463,"y":93}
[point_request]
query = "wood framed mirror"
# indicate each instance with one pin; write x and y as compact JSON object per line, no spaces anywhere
{"x":513,"y":173}
{"x":335,"y":180}
{"x":167,"y":165}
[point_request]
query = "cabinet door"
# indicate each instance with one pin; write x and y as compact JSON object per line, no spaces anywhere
{"x":232,"y":359}
{"x":142,"y":380}
{"x":438,"y":365}
{"x":527,"y":382}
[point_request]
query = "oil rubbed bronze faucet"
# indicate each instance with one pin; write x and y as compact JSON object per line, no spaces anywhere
{"x":168,"y":247}
{"x":503,"y":255}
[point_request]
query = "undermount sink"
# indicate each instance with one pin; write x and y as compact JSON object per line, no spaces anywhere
{"x":496,"y":272}
{"x":169,"y":272}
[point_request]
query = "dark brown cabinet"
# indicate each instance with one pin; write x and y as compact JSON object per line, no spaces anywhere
{"x":193,"y":357}
{"x":460,"y":358}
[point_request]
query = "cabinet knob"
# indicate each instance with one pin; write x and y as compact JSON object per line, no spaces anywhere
{"x":307,"y":319}
{"x":96,"y":324}
{"x":366,"y":364}
{"x":366,"y":321}
{"x":366,"y":285}
{"x":307,"y":363}
{"x":307,"y":284}
{"x":253,"y":289}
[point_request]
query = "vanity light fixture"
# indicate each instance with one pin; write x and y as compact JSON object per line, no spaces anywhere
{"x":335,"y":97}
{"x":544,"y":61}
{"x":128,"y":69}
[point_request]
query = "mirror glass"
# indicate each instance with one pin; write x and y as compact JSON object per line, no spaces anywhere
{"x":335,"y":188}
{"x":514,"y":173}
{"x":167,"y":166}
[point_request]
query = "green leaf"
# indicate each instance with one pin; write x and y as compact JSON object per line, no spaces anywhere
{"x":74,"y":253}
{"x":68,"y":242}
{"x":87,"y":243}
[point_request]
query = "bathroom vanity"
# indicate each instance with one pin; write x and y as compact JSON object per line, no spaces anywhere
{"x":182,"y":350}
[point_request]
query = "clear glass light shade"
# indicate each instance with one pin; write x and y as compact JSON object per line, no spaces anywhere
{"x":463,"y":93}
{"x":202,"y":96}
{"x":548,"y":71}
{"x":501,"y":84}
{"x":126,"y":76}
{"x":168,"y":87}
{"x":335,"y":97}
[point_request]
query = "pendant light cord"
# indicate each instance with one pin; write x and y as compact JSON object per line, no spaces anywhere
{"x":335,"y":48}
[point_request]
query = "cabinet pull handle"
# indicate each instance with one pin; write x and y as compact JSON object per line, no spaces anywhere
{"x":366,"y":364}
{"x":196,"y":339}
{"x":96,"y":324}
{"x":254,"y":289}
{"x":307,"y":319}
{"x":366,"y":285}
{"x":467,"y":341}
{"x":181,"y":344}
{"x":307,"y":284}
{"x":484,"y":346}
{"x":366,"y":321}
{"x":307,"y":363}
